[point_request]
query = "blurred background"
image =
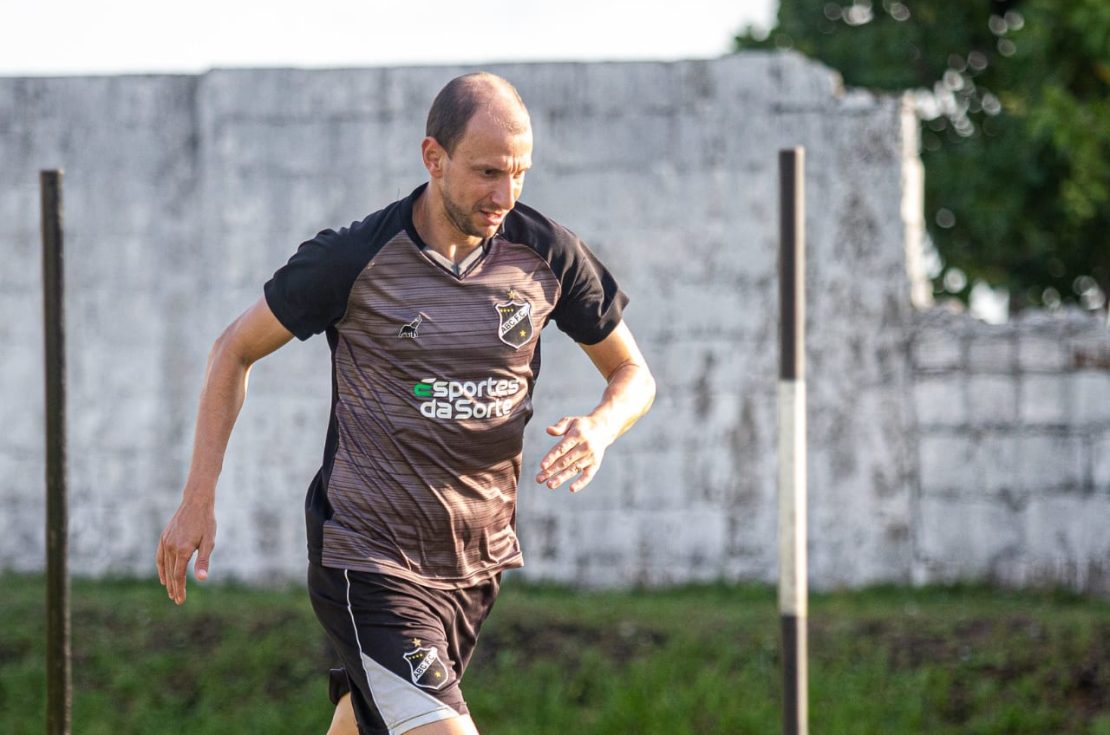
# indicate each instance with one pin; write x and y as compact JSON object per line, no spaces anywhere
{"x":959,"y":356}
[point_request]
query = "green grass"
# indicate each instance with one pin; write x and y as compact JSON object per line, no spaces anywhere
{"x":552,"y":661}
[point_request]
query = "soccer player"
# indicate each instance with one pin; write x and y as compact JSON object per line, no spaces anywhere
{"x":433,"y":308}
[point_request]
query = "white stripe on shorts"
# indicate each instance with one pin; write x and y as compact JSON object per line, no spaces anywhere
{"x":401,"y":704}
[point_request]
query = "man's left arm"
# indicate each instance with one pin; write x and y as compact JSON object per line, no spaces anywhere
{"x":628,"y":395}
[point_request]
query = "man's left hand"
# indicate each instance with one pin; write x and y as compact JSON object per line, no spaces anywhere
{"x":580,"y":452}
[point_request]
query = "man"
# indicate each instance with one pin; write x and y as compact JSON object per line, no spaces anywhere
{"x":433,"y":308}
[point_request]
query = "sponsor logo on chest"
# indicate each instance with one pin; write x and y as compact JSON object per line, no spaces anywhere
{"x":467,"y":399}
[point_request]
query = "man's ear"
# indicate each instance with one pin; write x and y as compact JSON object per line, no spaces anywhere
{"x":434,"y":156}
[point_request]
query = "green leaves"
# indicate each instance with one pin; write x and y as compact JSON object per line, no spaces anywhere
{"x":1015,"y":104}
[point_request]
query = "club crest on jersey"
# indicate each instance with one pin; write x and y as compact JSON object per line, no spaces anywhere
{"x":428,"y":670}
{"x":515,"y":327}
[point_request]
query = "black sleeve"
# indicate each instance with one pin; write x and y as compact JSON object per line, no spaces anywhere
{"x":309,"y":293}
{"x":591,"y":302}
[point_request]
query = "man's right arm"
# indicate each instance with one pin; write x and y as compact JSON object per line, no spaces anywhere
{"x":255,"y":334}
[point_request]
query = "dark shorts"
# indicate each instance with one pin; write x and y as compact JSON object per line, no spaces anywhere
{"x":403,"y":647}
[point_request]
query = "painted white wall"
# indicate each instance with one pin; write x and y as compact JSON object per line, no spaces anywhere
{"x":184,"y":193}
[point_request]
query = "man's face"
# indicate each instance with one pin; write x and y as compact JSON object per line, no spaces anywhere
{"x":481,"y":181}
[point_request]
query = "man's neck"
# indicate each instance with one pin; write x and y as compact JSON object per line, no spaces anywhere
{"x":437,"y":231}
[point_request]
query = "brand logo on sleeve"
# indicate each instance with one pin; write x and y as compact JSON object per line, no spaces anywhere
{"x":467,"y":399}
{"x":515,"y":316}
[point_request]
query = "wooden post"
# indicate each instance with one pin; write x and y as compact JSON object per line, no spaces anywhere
{"x":58,"y":679}
{"x":793,"y":593}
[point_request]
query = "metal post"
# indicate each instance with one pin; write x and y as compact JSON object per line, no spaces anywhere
{"x":58,"y":680}
{"x":793,"y":593}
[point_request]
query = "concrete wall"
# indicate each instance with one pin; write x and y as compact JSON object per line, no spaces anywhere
{"x":1013,"y":441}
{"x":185,"y":193}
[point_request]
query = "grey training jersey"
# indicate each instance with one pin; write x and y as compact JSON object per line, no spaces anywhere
{"x":432,"y":375}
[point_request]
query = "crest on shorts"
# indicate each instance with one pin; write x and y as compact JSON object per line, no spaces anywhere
{"x":428,"y":670}
{"x":515,"y":315}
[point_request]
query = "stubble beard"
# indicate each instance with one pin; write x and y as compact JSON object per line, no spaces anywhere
{"x":461,"y":220}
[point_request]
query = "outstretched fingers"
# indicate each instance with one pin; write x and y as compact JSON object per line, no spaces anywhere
{"x":585,"y":472}
{"x":579,"y":452}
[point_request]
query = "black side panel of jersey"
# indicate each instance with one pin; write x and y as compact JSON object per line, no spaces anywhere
{"x":591,"y":302}
{"x":317,"y":509}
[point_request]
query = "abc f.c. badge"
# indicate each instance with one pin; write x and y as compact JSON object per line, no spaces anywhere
{"x":515,"y":321}
{"x":428,"y":670}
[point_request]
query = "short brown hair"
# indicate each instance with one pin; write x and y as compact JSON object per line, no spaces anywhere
{"x":457,"y":102}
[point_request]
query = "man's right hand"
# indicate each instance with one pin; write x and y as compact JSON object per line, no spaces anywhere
{"x":192,"y":528}
{"x":252,"y":336}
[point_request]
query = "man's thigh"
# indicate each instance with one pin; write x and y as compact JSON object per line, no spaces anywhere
{"x":398,"y":644}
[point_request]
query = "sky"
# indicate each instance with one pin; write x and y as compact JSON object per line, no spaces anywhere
{"x":65,"y":37}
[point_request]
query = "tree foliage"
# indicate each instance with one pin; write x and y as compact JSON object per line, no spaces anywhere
{"x":1014,"y":98}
